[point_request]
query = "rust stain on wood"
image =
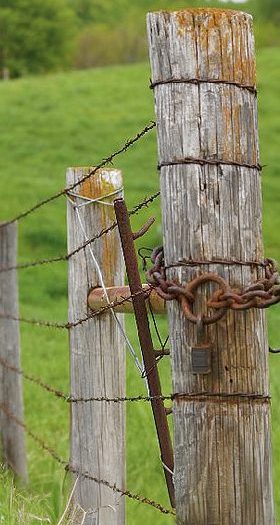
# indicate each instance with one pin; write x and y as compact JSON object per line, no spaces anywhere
{"x":99,"y":185}
{"x":210,"y":17}
{"x":208,"y":23}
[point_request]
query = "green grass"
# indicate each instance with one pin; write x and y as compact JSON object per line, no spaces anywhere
{"x":48,"y":124}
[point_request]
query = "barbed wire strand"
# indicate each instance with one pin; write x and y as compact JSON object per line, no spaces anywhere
{"x":102,"y":164}
{"x":70,"y":325}
{"x":72,"y":399}
{"x":69,"y":468}
{"x":164,"y":397}
{"x":29,"y":264}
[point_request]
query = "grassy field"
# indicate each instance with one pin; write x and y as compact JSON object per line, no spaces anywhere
{"x":73,"y":119}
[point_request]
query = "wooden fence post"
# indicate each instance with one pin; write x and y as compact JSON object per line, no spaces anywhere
{"x":11,"y":435}
{"x":97,"y":353}
{"x":203,"y":71}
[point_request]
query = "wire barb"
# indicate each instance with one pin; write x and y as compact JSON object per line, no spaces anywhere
{"x":102,"y":164}
{"x":74,"y":324}
{"x":86,"y":475}
{"x":30,"y":264}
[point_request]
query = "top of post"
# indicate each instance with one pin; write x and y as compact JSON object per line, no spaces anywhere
{"x":202,"y":43}
{"x":204,"y":10}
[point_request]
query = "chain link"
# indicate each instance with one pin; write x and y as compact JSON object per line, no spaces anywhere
{"x":260,"y":294}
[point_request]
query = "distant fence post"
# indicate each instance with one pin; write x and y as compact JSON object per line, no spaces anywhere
{"x":97,"y":353}
{"x":11,"y":435}
{"x":203,"y":74}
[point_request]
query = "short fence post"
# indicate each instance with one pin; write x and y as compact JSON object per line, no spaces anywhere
{"x":203,"y":74}
{"x":97,"y":353}
{"x":11,"y":435}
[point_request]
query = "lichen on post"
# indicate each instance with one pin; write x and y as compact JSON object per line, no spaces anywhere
{"x":204,"y":76}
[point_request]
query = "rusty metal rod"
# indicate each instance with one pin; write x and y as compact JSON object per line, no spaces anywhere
{"x":146,"y":343}
{"x":161,"y":353}
{"x":97,"y":299}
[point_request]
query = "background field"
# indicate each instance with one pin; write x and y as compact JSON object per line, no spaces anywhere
{"x":73,"y":119}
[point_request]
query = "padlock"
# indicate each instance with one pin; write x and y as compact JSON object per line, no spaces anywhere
{"x":201,"y":352}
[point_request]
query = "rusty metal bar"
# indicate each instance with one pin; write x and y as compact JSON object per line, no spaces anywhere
{"x":146,"y":343}
{"x":97,"y":299}
{"x":161,"y":353}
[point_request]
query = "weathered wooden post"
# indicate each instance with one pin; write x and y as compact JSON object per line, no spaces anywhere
{"x":11,"y":435}
{"x":203,"y":75}
{"x":97,"y":354}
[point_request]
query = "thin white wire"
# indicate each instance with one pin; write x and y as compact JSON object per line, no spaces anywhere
{"x":69,"y":502}
{"x":167,"y":468}
{"x":100,"y":200}
{"x":130,"y":347}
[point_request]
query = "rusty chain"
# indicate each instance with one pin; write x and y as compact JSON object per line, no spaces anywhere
{"x":260,"y":294}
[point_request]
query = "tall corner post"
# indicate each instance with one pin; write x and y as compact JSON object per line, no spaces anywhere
{"x":12,"y":439}
{"x":97,"y":352}
{"x":203,"y":74}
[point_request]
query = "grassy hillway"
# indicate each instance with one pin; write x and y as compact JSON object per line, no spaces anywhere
{"x":47,"y":124}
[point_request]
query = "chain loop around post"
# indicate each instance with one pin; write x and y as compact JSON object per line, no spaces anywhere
{"x":260,"y":294}
{"x":192,"y":287}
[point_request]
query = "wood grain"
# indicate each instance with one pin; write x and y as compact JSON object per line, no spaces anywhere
{"x":97,"y":353}
{"x":222,"y":449}
{"x":11,"y":435}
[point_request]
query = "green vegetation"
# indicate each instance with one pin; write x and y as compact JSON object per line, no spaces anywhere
{"x":118,"y":35}
{"x":44,"y":36}
{"x":35,"y":36}
{"x":78,"y":118}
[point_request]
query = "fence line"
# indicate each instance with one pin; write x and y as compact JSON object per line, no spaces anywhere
{"x":102,"y":164}
{"x":145,"y":398}
{"x":37,"y":439}
{"x":71,"y":399}
{"x":142,"y":204}
{"x":70,"y":325}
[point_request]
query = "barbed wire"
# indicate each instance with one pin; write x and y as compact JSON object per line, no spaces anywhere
{"x":72,"y":399}
{"x":142,"y":204}
{"x":103,"y":163}
{"x":123,"y":399}
{"x":32,"y":379}
{"x":69,"y":325}
{"x":69,"y":468}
